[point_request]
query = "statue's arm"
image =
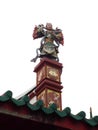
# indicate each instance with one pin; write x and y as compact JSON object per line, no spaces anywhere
{"x":38,"y":31}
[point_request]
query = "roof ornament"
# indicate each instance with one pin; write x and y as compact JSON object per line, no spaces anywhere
{"x":51,"y":39}
{"x":91,"y":115}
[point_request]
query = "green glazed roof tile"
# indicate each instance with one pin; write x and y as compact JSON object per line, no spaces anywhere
{"x":18,"y":102}
{"x":91,"y":122}
{"x":51,"y":109}
{"x":7,"y":96}
{"x":36,"y":106}
{"x":64,"y":113}
{"x":80,"y":116}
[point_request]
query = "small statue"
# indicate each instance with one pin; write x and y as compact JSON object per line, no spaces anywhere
{"x":51,"y":39}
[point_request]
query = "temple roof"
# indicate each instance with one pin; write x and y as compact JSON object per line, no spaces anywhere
{"x":24,"y":101}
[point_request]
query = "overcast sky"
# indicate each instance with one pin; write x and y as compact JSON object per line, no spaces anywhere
{"x":78,"y":20}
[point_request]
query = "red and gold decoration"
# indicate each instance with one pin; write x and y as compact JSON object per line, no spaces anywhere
{"x":42,"y":96}
{"x":53,"y":73}
{"x":54,"y":97}
{"x":49,"y":97}
{"x":41,"y":75}
{"x":48,"y":82}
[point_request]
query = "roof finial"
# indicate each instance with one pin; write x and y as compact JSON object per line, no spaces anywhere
{"x":51,"y":39}
{"x":91,"y":112}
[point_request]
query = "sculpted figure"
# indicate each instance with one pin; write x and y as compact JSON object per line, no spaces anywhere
{"x":51,"y":39}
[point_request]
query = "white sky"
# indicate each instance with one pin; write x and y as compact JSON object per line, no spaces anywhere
{"x":79,"y":21}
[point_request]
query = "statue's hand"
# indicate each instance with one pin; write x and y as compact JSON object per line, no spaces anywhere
{"x":40,"y":27}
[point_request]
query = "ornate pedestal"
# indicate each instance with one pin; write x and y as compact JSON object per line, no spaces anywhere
{"x":48,"y":82}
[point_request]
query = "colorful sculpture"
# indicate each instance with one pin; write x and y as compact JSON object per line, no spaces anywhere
{"x":51,"y":39}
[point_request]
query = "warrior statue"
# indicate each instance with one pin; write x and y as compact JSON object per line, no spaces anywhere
{"x":51,"y":39}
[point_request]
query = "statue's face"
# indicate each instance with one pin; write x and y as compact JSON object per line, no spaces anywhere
{"x":49,"y":26}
